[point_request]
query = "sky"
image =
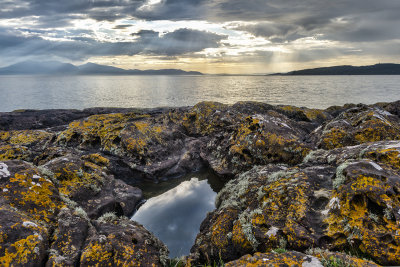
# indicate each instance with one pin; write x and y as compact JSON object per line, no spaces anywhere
{"x":211,"y":36}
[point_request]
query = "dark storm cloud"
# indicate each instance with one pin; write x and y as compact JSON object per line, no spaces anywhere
{"x":370,"y":26}
{"x":351,"y":21}
{"x":179,"y":42}
{"x":109,"y":10}
{"x":284,"y":20}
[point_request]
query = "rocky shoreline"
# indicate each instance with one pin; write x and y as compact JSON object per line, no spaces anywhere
{"x":304,"y":187}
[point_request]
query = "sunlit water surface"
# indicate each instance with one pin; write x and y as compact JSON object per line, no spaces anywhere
{"x":44,"y":92}
{"x":175,"y":216}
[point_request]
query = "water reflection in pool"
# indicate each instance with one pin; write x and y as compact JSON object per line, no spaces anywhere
{"x":175,"y":216}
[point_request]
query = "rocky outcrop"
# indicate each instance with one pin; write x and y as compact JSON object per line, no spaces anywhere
{"x":51,"y":213}
{"x":303,"y":186}
{"x":292,"y":258}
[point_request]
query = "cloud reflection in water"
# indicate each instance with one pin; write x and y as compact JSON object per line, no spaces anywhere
{"x":175,"y":216}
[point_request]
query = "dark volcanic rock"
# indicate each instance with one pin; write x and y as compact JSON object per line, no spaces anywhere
{"x":356,"y":126}
{"x":23,"y":242}
{"x":89,"y":185}
{"x":120,"y":242}
{"x":69,"y":237}
{"x":293,"y":258}
{"x":314,"y":183}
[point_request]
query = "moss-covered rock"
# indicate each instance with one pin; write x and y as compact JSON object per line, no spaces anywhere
{"x":293,"y":258}
{"x":90,"y":185}
{"x":121,"y":242}
{"x":68,"y":238}
{"x":356,"y":126}
{"x":304,"y":114}
{"x":23,"y":187}
{"x":23,"y":241}
{"x":266,"y":208}
{"x":364,"y":211}
{"x":255,"y":140}
{"x":303,"y":183}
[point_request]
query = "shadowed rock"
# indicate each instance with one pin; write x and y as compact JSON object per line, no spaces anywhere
{"x":301,"y":181}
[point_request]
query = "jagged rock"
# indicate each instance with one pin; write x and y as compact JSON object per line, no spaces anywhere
{"x":23,"y":144}
{"x":120,"y":242}
{"x":265,"y":208}
{"x":69,"y":237}
{"x":23,"y":187}
{"x":356,"y":126}
{"x":299,"y":179}
{"x":292,"y":258}
{"x":151,"y":149}
{"x":23,"y":241}
{"x":350,"y":204}
{"x":364,"y":210}
{"x":88,"y":184}
{"x":41,"y":119}
{"x":305,"y":114}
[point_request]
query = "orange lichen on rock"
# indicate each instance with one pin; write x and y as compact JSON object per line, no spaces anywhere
{"x":74,"y":176}
{"x":10,"y":152}
{"x":28,"y":191}
{"x":138,"y":135}
{"x":334,"y":138}
{"x":25,"y":137}
{"x":23,"y":241}
{"x":95,"y":130}
{"x":256,"y":141}
{"x":204,"y":118}
{"x":361,"y":214}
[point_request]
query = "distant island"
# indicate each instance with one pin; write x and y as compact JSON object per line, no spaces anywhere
{"x":377,"y":69}
{"x":59,"y":68}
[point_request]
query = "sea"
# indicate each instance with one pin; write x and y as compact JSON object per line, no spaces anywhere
{"x":79,"y":92}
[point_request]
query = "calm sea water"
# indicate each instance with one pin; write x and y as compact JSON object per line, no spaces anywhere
{"x":175,"y":216}
{"x":44,"y":92}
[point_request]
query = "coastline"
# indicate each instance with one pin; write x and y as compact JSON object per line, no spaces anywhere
{"x":301,"y":184}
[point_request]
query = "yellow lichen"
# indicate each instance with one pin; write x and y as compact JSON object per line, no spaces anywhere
{"x":24,"y":137}
{"x":37,"y":196}
{"x":104,"y":129}
{"x":21,"y":252}
{"x":333,"y":138}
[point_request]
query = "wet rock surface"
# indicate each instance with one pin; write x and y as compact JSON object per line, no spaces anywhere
{"x":304,"y":186}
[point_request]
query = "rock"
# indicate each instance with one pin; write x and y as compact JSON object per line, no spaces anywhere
{"x":304,"y":114}
{"x":89,"y":185}
{"x":147,"y":148}
{"x":276,"y":259}
{"x":120,"y":242}
{"x":23,"y":241}
{"x":292,"y":258}
{"x":300,"y":183}
{"x":22,"y":186}
{"x":41,"y":119}
{"x":257,"y":139}
{"x":364,"y":211}
{"x":23,"y":144}
{"x":346,"y":205}
{"x":356,"y":126}
{"x":69,"y":237}
{"x":265,"y":208}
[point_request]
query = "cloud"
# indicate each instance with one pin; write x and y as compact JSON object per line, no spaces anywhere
{"x":80,"y":29}
{"x":179,"y":42}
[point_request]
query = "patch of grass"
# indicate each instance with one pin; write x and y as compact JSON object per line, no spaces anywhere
{"x":279,"y":250}
{"x":176,"y":262}
{"x":334,"y":262}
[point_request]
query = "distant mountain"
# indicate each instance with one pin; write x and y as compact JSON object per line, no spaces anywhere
{"x":377,"y":69}
{"x":59,"y":68}
{"x":92,"y":68}
{"x":33,"y":67}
